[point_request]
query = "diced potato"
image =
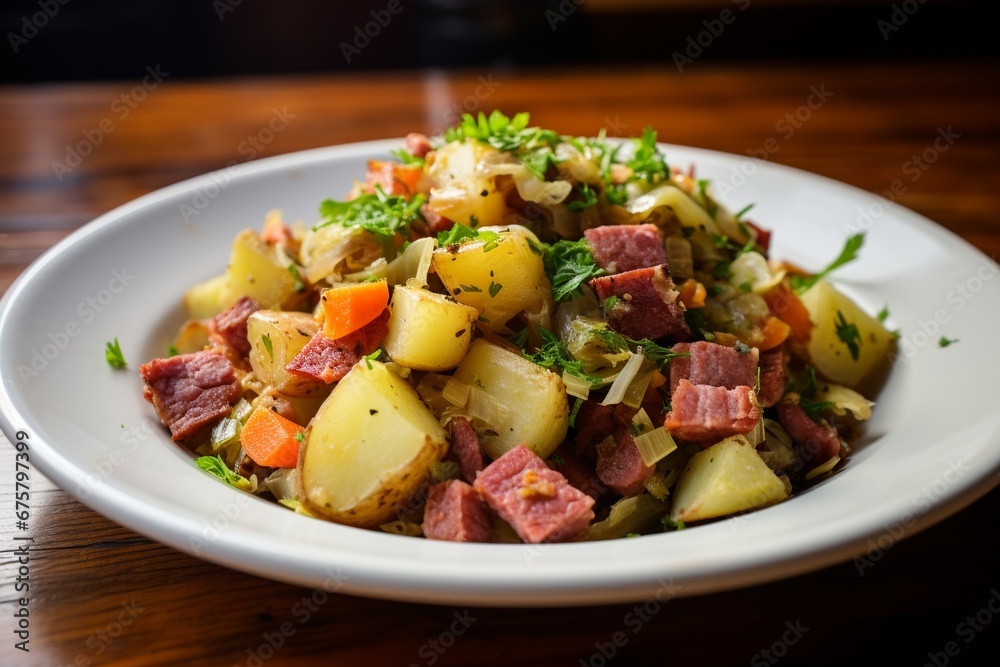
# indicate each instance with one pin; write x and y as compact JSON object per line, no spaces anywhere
{"x":204,"y":299}
{"x":287,"y":334}
{"x":459,"y":192}
{"x":427,"y":331}
{"x":829,"y":353}
{"x":727,"y":477}
{"x":499,"y":278}
{"x":255,"y":270}
{"x":537,"y":411}
{"x":368,"y":449}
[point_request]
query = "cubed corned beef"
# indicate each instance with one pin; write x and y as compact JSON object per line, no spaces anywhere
{"x":594,"y":422}
{"x":713,"y":364}
{"x":763,"y":236}
{"x":621,"y":248}
{"x":455,"y":512}
{"x":231,"y":324}
{"x":817,"y":442}
{"x":646,"y":304}
{"x":577,"y":470}
{"x":330,"y":360}
{"x":418,"y":144}
{"x":538,"y":502}
{"x":706,"y":414}
{"x":465,"y":447}
{"x":773,"y":377}
{"x":652,"y":403}
{"x":620,"y":465}
{"x":191,"y":391}
{"x":436,"y":222}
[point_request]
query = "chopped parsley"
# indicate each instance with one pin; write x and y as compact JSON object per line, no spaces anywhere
{"x":503,"y":133}
{"x":708,"y":203}
{"x":520,"y":338}
{"x":407,"y":158}
{"x":469,"y":288}
{"x":266,"y":340}
{"x":655,"y":352}
{"x":494,"y":289}
{"x":539,"y":160}
{"x":456,"y":234}
{"x":883,"y":314}
{"x":215,"y":466}
{"x":589,"y":199}
{"x":369,"y":358}
{"x":113,"y":355}
{"x":300,"y":437}
{"x":850,"y":252}
{"x":945,"y":342}
{"x":554,"y":356}
{"x":849,"y":335}
{"x":382,"y":215}
{"x":669,"y":525}
{"x":610,"y":303}
{"x":743,"y":211}
{"x":299,"y":285}
{"x":569,"y":264}
{"x":647,"y":161}
{"x":172,"y":351}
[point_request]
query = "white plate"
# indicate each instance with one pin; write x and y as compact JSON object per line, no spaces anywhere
{"x":931,"y":448}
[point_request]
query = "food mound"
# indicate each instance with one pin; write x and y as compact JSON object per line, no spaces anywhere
{"x":509,"y":335}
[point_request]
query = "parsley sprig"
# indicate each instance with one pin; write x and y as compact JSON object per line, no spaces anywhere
{"x":214,"y":465}
{"x":113,"y":355}
{"x":554,"y":355}
{"x":850,"y":253}
{"x":849,"y":335}
{"x":569,"y":264}
{"x":502,"y":133}
{"x":382,"y":215}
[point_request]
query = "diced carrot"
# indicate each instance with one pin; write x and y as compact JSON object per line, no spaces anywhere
{"x":348,"y":308}
{"x":775,"y":332}
{"x":692,"y":294}
{"x":270,"y":439}
{"x":787,"y":307}
{"x":395,"y":179}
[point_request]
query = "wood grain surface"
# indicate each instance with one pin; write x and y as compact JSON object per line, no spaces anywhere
{"x":103,"y":595}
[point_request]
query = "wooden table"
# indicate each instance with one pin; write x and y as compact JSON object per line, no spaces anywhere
{"x":104,"y":595}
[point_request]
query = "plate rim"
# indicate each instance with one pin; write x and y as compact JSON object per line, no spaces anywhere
{"x":415,"y":585}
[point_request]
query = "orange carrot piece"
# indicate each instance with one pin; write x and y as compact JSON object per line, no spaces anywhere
{"x":394,"y":178}
{"x":346,"y":309}
{"x":692,"y":294}
{"x":270,"y":439}
{"x":787,"y":307}
{"x":775,"y":332}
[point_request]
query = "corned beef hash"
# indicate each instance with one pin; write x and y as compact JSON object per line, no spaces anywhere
{"x":509,"y":335}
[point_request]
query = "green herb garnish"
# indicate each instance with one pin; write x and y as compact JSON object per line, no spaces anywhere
{"x":382,"y":215}
{"x":113,"y":355}
{"x":850,"y":252}
{"x":569,"y":264}
{"x":945,"y":342}
{"x":849,"y":335}
{"x":214,"y":465}
{"x":266,"y":339}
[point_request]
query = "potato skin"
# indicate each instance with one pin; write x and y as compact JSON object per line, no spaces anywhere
{"x":368,"y":449}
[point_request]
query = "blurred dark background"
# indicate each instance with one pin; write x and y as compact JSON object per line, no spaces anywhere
{"x":60,"y":40}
